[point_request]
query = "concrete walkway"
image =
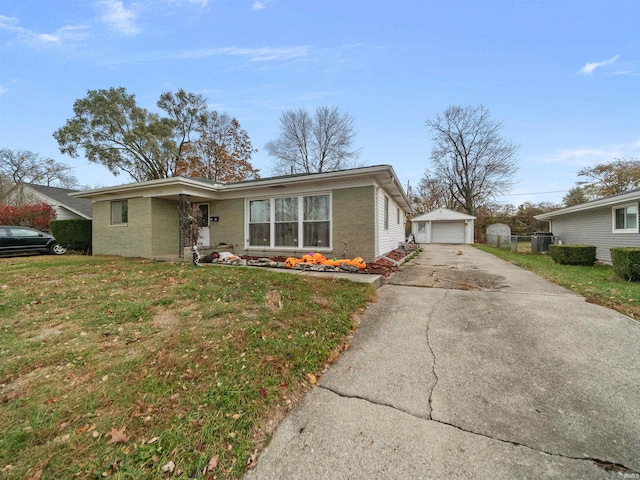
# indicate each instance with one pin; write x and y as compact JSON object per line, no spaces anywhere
{"x":468,"y":367}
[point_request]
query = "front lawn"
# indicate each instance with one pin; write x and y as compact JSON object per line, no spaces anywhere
{"x":599,"y":283}
{"x":126,"y":368}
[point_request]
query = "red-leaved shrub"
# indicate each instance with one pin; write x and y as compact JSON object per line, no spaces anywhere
{"x":35,"y":216}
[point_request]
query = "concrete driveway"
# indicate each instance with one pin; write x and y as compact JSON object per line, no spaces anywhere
{"x":468,"y":367}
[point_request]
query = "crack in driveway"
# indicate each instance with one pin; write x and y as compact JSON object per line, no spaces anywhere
{"x":603,"y":464}
{"x":433,"y":353}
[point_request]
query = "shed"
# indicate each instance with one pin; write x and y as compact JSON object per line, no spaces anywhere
{"x":443,"y":226}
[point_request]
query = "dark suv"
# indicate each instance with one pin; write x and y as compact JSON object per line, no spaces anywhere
{"x":27,"y":240}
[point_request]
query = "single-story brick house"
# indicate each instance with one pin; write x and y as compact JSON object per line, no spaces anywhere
{"x":606,"y":223}
{"x":443,"y":226}
{"x":347,"y":213}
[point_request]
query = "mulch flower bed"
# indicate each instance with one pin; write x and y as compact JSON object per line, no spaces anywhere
{"x":381,"y":267}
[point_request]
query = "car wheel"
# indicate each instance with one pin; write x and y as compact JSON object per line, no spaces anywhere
{"x":58,"y":249}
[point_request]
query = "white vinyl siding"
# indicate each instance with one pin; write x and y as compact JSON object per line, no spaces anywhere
{"x":593,"y":227}
{"x":390,"y":234}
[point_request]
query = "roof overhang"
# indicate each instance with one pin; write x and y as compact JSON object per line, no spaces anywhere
{"x":442,"y":214}
{"x":200,"y":190}
{"x":603,"y":202}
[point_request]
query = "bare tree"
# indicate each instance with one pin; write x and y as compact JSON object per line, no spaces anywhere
{"x":432,"y":193}
{"x":20,"y":167}
{"x":309,"y":144}
{"x":470,"y":157}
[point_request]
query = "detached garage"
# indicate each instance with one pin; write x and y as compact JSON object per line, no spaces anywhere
{"x":443,"y":226}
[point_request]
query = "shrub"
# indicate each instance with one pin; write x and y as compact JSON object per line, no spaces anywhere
{"x":575,"y":254}
{"x":73,"y":234}
{"x":35,"y":216}
{"x":626,"y":262}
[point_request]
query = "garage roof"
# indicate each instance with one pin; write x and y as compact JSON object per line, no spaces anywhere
{"x":442,"y":214}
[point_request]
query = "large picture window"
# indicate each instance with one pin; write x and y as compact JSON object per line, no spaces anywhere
{"x":119,"y":212}
{"x":302,"y":221}
{"x":625,"y":219}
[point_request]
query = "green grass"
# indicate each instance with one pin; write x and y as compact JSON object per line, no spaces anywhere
{"x":191,"y":362}
{"x":599,"y":283}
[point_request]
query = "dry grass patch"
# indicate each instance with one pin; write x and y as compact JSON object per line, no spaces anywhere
{"x":124,"y":368}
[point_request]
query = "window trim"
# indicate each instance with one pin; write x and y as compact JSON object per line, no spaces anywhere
{"x":121,"y":223}
{"x":633,"y":229}
{"x":301,"y":222}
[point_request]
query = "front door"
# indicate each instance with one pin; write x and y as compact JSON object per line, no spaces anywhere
{"x":204,"y":235}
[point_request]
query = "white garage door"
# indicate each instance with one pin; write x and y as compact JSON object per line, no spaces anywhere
{"x":447,"y":232}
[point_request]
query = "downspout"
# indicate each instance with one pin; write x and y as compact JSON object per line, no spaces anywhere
{"x":376,"y":222}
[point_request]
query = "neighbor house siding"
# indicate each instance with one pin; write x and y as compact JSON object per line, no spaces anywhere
{"x":354,"y":223}
{"x":593,"y":227}
{"x":390,"y":237}
{"x":229,"y":228}
{"x":164,"y":227}
{"x":132,"y":239}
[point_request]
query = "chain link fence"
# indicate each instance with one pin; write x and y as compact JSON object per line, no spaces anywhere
{"x":537,"y":243}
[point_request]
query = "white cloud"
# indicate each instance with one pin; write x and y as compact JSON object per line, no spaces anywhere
{"x":262,"y":54}
{"x":258,"y":5}
{"x":119,"y":18}
{"x":3,"y":89}
{"x":590,"y":67}
{"x":585,"y":157}
{"x":68,"y":33}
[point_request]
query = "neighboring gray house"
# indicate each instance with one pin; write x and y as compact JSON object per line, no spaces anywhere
{"x":606,"y":223}
{"x":346,"y":213}
{"x":66,"y":207}
{"x":443,"y":226}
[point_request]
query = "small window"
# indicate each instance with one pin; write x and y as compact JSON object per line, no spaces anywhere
{"x":625,"y":219}
{"x":386,"y":213}
{"x":119,"y":212}
{"x":398,"y":216}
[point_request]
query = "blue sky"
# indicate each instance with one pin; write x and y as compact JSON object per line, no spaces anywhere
{"x":563,"y":76}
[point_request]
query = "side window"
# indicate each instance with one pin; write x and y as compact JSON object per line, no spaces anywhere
{"x":119,"y":212}
{"x":625,"y":219}
{"x":386,"y":213}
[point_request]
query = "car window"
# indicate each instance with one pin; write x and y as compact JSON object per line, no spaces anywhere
{"x":3,"y":232}
{"x":24,"y":232}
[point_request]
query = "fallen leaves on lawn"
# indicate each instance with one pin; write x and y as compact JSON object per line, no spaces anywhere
{"x":312,"y":378}
{"x":213,"y":463}
{"x":169,"y":467}
{"x":117,"y":435}
{"x":253,"y":459}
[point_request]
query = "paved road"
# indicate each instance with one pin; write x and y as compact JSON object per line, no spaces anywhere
{"x":468,"y":367}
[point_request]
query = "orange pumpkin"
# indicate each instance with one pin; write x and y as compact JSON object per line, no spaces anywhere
{"x":319,"y":258}
{"x":291,"y":262}
{"x":308,"y":259}
{"x":359,"y":262}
